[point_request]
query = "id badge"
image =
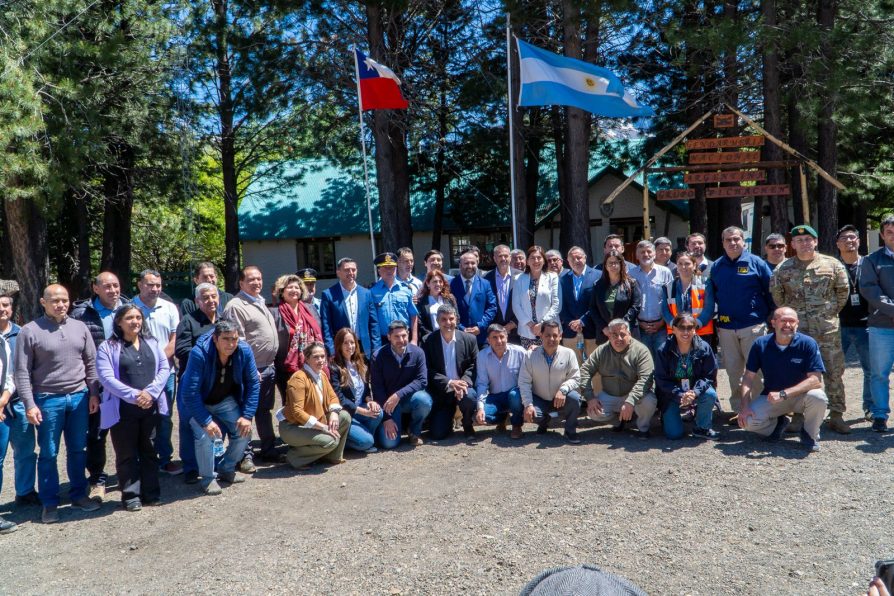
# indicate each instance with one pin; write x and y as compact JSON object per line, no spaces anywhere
{"x":855,"y":300}
{"x":684,"y":383}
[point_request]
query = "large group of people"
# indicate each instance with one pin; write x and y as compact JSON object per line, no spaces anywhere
{"x":541,"y":339}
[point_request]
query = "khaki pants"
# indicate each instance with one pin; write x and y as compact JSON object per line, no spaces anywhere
{"x":811,"y":404}
{"x":307,"y":445}
{"x":734,"y":346}
{"x":611,"y":408}
{"x":571,"y":342}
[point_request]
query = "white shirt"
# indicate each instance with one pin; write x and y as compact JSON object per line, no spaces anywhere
{"x":161,"y":319}
{"x":318,"y":391}
{"x":652,"y":285}
{"x":450,"y":358}
{"x":351,"y":305}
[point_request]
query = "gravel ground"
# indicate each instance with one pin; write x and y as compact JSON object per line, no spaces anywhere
{"x":686,"y":517}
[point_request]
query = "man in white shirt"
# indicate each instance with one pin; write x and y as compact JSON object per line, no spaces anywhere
{"x":405,"y":263}
{"x":161,"y":319}
{"x":497,"y":384}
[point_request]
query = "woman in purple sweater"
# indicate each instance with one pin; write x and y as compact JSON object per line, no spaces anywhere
{"x":133,"y":370}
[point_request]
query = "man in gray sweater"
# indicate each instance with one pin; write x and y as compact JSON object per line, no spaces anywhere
{"x":626,"y":368}
{"x":256,"y":326}
{"x":55,"y":370}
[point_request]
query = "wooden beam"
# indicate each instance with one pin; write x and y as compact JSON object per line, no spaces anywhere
{"x":791,"y":150}
{"x":726,"y":166}
{"x":647,"y":229}
{"x":805,"y":204}
{"x":657,"y":156}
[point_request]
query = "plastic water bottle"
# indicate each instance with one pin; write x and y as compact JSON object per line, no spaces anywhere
{"x":580,"y":346}
{"x":218,"y":447}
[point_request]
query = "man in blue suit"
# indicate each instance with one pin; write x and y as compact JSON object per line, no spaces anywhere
{"x":475,"y":300}
{"x":500,"y":280}
{"x":575,"y":289}
{"x":348,"y":304}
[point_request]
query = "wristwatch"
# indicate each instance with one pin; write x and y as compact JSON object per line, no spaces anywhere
{"x":783,"y":394}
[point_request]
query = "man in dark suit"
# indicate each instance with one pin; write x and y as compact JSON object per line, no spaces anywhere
{"x":451,"y":357}
{"x":500,"y":280}
{"x":575,"y":290}
{"x":348,"y":304}
{"x":474,"y":299}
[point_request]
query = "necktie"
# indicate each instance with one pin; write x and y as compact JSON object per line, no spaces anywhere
{"x":468,"y":287}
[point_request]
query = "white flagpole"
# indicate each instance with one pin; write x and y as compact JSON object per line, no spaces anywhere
{"x":511,"y":133}
{"x":372,"y":236}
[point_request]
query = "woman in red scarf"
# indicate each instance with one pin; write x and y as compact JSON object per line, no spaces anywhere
{"x":296,"y":325}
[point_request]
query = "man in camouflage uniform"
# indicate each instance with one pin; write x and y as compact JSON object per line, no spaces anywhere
{"x":816,"y":286}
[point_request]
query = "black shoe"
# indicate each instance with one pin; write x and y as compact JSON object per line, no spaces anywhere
{"x":641,"y":434}
{"x":705,"y":433}
{"x":867,"y":415}
{"x":781,"y":424}
{"x":879,"y":425}
{"x":808,"y":441}
{"x":618,"y":428}
{"x":191,"y":477}
{"x":7,"y":527}
{"x":572,"y":438}
{"x":29,"y":499}
{"x":272,"y":458}
{"x":133,"y":505}
{"x":469,"y":433}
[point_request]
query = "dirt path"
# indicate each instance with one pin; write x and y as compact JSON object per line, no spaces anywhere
{"x":686,"y":517}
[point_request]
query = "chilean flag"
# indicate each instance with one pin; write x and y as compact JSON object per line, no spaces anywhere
{"x":378,"y":85}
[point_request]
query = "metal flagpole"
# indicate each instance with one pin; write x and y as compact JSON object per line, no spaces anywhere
{"x":372,"y":236}
{"x":511,"y":133}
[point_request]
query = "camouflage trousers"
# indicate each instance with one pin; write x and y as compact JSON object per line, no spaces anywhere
{"x":833,"y":358}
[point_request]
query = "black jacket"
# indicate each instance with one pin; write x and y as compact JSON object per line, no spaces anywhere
{"x":628,"y":303}
{"x":192,"y":326}
{"x":346,"y":394}
{"x":704,"y":371}
{"x":424,"y":318}
{"x":466,"y":366}
{"x":83,"y":311}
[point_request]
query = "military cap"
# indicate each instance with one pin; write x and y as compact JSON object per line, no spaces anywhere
{"x":386,"y":259}
{"x":307,"y":274}
{"x":803,"y":231}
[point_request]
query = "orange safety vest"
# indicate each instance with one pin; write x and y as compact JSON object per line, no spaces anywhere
{"x":697,"y":298}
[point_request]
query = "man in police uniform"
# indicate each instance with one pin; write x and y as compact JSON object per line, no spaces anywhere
{"x":308,"y":276}
{"x":393,"y":299}
{"x":816,"y":287}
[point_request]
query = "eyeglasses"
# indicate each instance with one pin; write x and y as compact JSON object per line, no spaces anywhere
{"x":686,"y":327}
{"x":777,"y":246}
{"x":850,"y":238}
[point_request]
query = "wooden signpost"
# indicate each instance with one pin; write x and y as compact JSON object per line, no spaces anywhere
{"x":734,"y":176}
{"x":725,"y":157}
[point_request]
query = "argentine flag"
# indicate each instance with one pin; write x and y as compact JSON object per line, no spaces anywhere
{"x":548,"y":79}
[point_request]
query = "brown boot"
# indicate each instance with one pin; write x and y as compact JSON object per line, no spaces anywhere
{"x":516,"y":431}
{"x":501,"y":426}
{"x":837,"y":424}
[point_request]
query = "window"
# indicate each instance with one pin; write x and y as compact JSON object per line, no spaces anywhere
{"x":319,"y":254}
{"x":631,"y":230}
{"x":485,"y":241}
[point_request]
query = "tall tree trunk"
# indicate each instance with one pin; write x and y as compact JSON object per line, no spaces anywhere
{"x":827,"y":134}
{"x":730,"y":208}
{"x":575,"y":207}
{"x":532,"y":182}
{"x":83,"y":274}
{"x":441,"y":154}
{"x":524,"y":208}
{"x":389,"y":132}
{"x":772,"y":118}
{"x":693,"y":67}
{"x":118,"y":194}
{"x":225,"y":108}
{"x":28,"y":241}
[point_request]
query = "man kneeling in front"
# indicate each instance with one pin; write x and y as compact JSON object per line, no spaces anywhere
{"x":220,"y":392}
{"x":793,"y":380}
{"x":626,"y":368}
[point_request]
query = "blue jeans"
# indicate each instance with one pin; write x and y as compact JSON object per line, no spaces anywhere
{"x":673,"y":422}
{"x":62,"y":414}
{"x":881,"y":358}
{"x":570,"y":411}
{"x":187,"y":440}
{"x":859,"y":338}
{"x":498,"y":405}
{"x":419,"y":404}
{"x":22,"y":438}
{"x":165,"y":429}
{"x":362,"y":434}
{"x":654,"y":341}
{"x":225,"y":415}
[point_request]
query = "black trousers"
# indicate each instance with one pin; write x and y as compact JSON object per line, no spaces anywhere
{"x":443,"y":410}
{"x":263,"y":417}
{"x":135,"y":458}
{"x":96,"y":450}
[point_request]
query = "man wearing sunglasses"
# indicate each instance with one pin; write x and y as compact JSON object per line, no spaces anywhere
{"x":774,"y":246}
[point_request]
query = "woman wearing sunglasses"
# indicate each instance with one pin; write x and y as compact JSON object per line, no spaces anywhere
{"x":684,"y":380}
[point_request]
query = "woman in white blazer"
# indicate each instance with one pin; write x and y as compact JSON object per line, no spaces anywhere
{"x":535,"y":298}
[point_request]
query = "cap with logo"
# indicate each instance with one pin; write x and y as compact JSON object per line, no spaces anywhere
{"x":803,"y":231}
{"x":386,"y":259}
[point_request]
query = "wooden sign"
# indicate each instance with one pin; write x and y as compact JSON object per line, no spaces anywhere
{"x":725,"y":142}
{"x":725,"y":157}
{"x":676,"y":194}
{"x":748,"y":191}
{"x":724,"y":120}
{"x":733,"y":176}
